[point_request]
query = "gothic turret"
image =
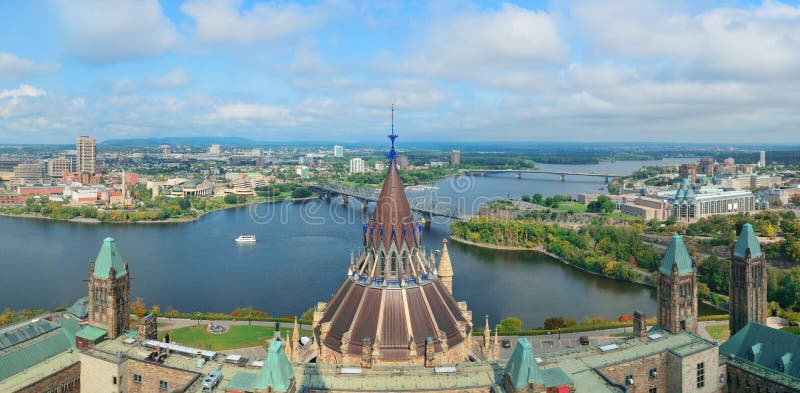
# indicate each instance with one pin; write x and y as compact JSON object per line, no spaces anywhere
{"x":109,"y":290}
{"x":748,"y":283}
{"x":677,"y":289}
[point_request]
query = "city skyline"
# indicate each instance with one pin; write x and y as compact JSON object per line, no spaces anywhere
{"x":539,"y":71}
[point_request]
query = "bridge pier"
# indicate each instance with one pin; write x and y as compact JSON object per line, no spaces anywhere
{"x":519,"y":175}
{"x":364,"y":205}
{"x":426,"y":220}
{"x":344,"y":200}
{"x":606,"y":179}
{"x":563,"y":177}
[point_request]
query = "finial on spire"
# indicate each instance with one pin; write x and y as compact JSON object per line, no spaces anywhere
{"x":392,"y":137}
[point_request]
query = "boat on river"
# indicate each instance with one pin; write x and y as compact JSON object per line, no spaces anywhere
{"x":246,"y":239}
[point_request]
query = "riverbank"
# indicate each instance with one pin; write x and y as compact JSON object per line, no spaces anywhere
{"x":642,"y":280}
{"x":171,"y":220}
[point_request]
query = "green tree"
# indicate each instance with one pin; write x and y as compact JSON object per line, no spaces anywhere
{"x":603,"y":204}
{"x":230,"y":199}
{"x":302,"y":192}
{"x":510,"y":324}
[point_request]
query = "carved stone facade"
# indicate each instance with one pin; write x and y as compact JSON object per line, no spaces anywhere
{"x":109,"y":302}
{"x":677,"y":289}
{"x":148,"y":327}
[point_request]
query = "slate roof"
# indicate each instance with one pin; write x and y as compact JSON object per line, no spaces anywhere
{"x":747,"y":240}
{"x":107,"y":258}
{"x":676,"y":255}
{"x":765,"y":349}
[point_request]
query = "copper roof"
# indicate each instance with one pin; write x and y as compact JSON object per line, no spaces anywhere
{"x":392,"y":295}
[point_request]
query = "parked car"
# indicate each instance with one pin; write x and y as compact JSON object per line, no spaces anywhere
{"x":584,"y":340}
{"x":211,"y":381}
{"x":506,"y":343}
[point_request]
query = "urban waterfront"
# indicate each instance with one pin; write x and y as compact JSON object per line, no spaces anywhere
{"x":300,"y":257}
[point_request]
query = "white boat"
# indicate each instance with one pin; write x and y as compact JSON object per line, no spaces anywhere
{"x":246,"y":238}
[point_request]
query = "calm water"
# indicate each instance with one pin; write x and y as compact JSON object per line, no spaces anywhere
{"x":301,"y":257}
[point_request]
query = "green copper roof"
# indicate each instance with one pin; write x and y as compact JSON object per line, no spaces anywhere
{"x":243,"y":382}
{"x":676,"y":255}
{"x":276,"y":373}
{"x":91,"y":333}
{"x":765,"y":347}
{"x":109,"y":257}
{"x":522,"y":367}
{"x":747,"y":240}
{"x":80,"y":308}
{"x":24,"y":355}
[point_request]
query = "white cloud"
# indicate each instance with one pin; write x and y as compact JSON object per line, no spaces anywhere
{"x":173,"y":79}
{"x":12,"y":99}
{"x":225,"y":22}
{"x":124,"y":86}
{"x":762,"y":41}
{"x":469,"y":43}
{"x":106,"y":32}
{"x":13,"y":67}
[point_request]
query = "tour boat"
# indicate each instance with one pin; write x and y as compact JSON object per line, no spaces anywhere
{"x":246,"y":238}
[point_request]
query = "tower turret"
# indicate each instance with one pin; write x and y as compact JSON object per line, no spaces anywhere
{"x":748,"y":283}
{"x":677,"y":289}
{"x":109,"y":290}
{"x":445,"y":269}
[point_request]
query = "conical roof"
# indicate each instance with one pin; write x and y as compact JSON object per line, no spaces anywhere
{"x":522,"y":368}
{"x":277,"y":372}
{"x":107,"y":258}
{"x":392,"y":221}
{"x":445,"y":268}
{"x":676,"y":255}
{"x":747,"y":241}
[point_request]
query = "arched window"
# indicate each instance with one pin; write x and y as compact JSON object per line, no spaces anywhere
{"x":393,"y":266}
{"x":383,"y":264}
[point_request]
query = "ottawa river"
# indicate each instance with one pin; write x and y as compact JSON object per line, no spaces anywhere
{"x":302,"y":255}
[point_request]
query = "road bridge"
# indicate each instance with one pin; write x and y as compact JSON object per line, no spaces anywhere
{"x":519,"y":172}
{"x":365,"y":195}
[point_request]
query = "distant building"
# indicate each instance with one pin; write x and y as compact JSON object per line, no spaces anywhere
{"x":214,"y":149}
{"x":646,"y":207}
{"x":29,"y":173}
{"x":356,"y":165}
{"x":402,"y":162}
{"x":706,"y":166}
{"x":338,"y":151}
{"x":301,"y":171}
{"x":86,"y":148}
{"x":751,"y":181}
{"x":56,"y":166}
{"x":689,"y":205}
{"x":436,"y":164}
{"x":380,"y":166}
{"x":762,"y":158}
{"x":689,"y":172}
{"x":455,"y":158}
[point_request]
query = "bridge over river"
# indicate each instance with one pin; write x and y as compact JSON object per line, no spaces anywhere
{"x":423,"y":207}
{"x":519,"y":172}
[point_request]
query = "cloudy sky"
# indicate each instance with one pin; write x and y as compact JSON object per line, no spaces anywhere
{"x":605,"y":70}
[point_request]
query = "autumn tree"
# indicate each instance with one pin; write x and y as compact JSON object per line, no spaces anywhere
{"x":138,"y":308}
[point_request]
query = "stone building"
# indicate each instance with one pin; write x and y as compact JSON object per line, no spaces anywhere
{"x":748,"y":284}
{"x":109,"y":290}
{"x":761,"y":359}
{"x":393,"y":307}
{"x":677,"y":289}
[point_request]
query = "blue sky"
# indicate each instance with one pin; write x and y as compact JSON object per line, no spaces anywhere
{"x":594,"y":70}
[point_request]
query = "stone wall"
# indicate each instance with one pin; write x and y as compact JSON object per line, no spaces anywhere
{"x":686,"y":368}
{"x":67,"y":380}
{"x":639,"y":369}
{"x":741,"y":381}
{"x":101,"y":373}
{"x":153,"y":374}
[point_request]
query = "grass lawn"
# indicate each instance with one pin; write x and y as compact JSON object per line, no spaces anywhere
{"x":236,"y":337}
{"x":622,"y":334}
{"x":622,"y":216}
{"x":574,"y":207}
{"x":719,"y":332}
{"x":792,"y":329}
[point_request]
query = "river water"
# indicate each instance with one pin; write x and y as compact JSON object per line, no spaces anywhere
{"x":302,"y":254}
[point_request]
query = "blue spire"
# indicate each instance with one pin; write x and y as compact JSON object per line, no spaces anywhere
{"x":392,"y":153}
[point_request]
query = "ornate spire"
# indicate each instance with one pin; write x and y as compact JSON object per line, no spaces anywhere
{"x":445,"y":269}
{"x":392,"y":137}
{"x":487,"y":335}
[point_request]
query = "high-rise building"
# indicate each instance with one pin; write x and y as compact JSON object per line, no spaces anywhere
{"x":748,"y":283}
{"x":380,"y":166}
{"x":28,"y":172}
{"x":338,"y":151}
{"x":688,"y":172}
{"x":677,"y":289}
{"x":455,"y":157}
{"x":56,"y":166}
{"x":109,"y":290}
{"x":402,"y":162}
{"x":762,"y":158}
{"x":86,"y":148}
{"x":214,"y":149}
{"x":356,"y":165}
{"x":706,"y":166}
